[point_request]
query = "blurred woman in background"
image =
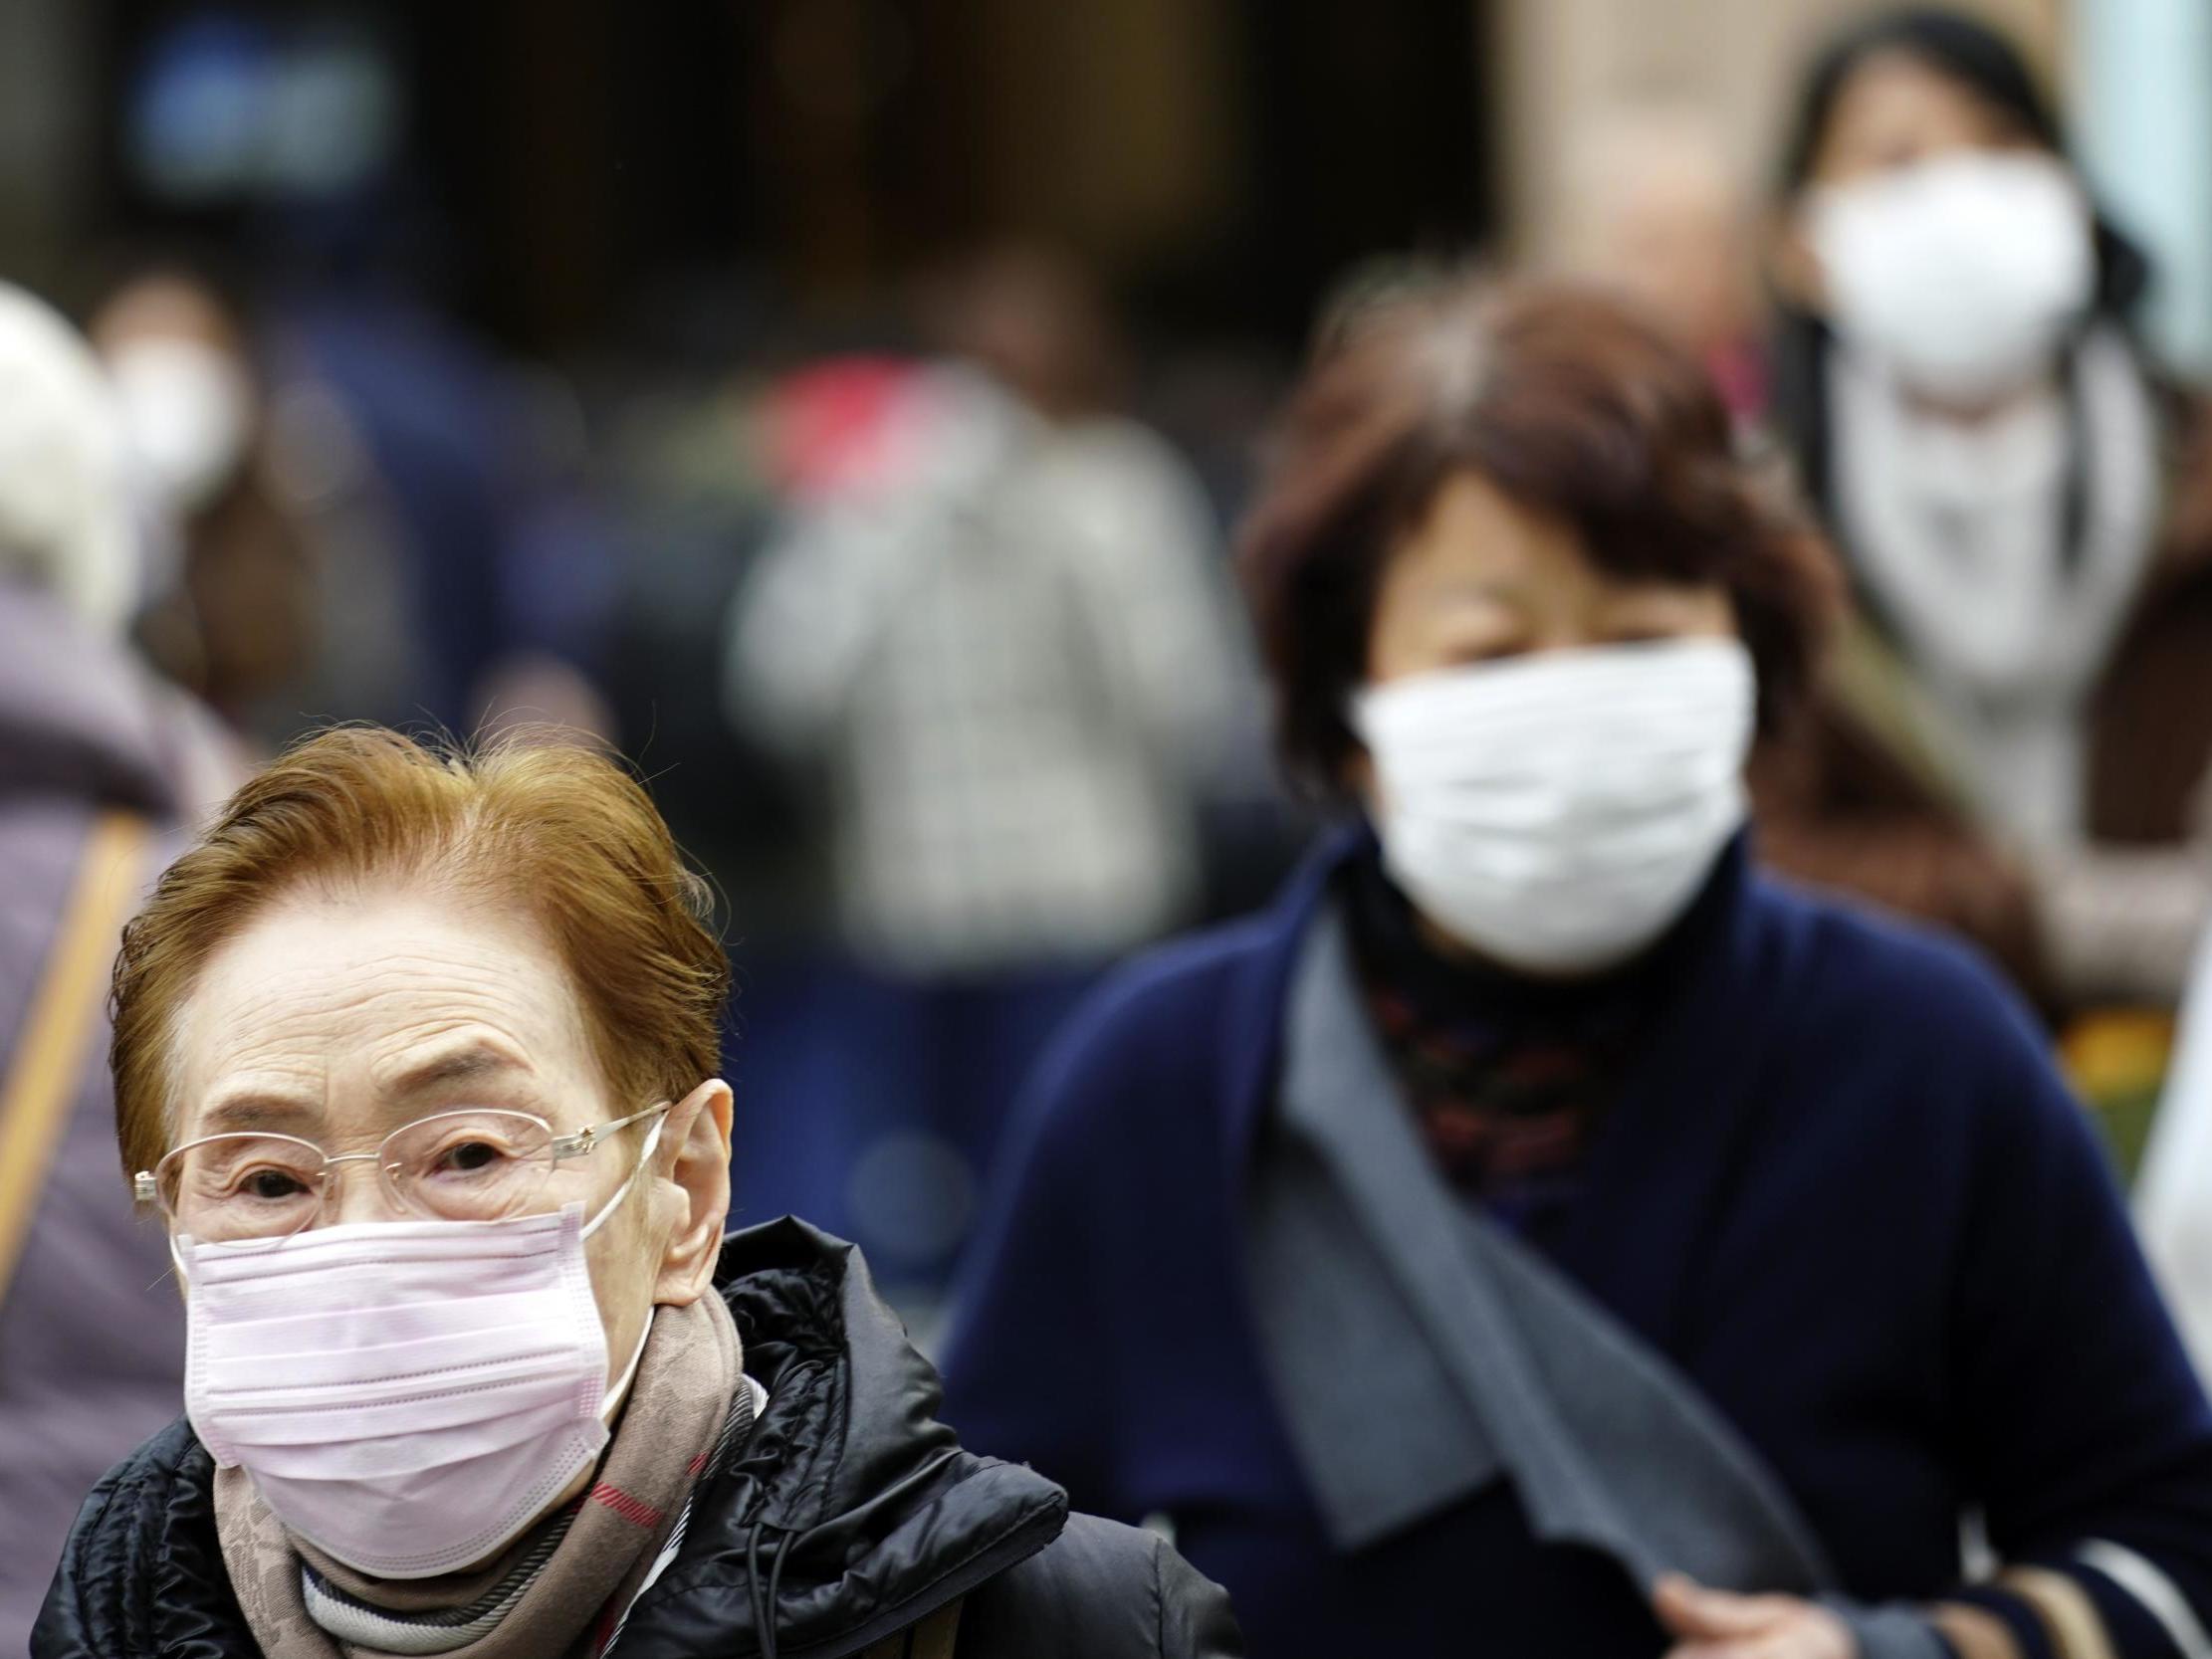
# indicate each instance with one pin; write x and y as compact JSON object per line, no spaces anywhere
{"x":1541,"y":1233}
{"x":231,"y":604}
{"x":2018,"y":739}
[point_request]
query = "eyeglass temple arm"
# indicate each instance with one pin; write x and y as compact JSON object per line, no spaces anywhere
{"x":572,"y":1145}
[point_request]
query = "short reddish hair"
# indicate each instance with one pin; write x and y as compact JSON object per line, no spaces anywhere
{"x":1570,"y":403}
{"x":558,"y":833}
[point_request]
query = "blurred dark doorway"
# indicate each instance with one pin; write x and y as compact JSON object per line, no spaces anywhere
{"x":553,"y":159}
{"x":1369,"y":136}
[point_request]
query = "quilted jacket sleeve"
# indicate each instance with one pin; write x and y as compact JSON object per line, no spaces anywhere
{"x":1101,"y":1591}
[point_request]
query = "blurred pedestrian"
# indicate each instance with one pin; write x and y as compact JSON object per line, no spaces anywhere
{"x":1543,"y":1234}
{"x":2019,"y":739}
{"x":230,"y":607}
{"x":1665,"y":214}
{"x":992,"y":618}
{"x":99,"y":762}
{"x":508,"y":1391}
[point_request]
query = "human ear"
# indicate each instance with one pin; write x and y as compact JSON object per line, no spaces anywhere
{"x":699,"y":1170}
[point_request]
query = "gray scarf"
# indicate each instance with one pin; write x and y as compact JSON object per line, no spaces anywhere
{"x":1487,"y":1362}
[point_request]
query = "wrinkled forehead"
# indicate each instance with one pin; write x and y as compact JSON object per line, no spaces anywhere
{"x":346,"y":1015}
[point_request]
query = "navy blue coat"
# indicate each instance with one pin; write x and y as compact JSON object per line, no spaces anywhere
{"x":1844,"y":1190}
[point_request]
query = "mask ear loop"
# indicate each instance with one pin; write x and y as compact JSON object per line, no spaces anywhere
{"x":616,"y":1394}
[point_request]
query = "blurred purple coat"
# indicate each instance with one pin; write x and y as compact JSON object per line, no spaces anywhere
{"x":91,"y":1330}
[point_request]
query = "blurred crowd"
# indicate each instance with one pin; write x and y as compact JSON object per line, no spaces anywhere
{"x":924,"y":629}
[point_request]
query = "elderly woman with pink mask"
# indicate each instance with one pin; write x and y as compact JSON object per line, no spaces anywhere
{"x":416,"y":1059}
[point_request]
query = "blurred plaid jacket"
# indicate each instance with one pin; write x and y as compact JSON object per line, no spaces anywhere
{"x":1009,"y":649}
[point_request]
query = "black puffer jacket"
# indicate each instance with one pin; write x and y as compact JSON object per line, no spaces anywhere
{"x":852,"y":1500}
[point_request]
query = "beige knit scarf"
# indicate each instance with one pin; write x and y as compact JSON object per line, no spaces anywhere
{"x":599,"y":1553}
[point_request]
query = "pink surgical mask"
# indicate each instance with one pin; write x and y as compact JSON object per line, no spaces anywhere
{"x":406,"y":1395}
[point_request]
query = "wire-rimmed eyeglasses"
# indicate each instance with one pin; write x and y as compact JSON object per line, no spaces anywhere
{"x":477,"y":1164}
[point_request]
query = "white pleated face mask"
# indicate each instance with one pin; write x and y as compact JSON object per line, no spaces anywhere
{"x":407,"y":1395}
{"x":1559,"y":812}
{"x":1963,"y":272}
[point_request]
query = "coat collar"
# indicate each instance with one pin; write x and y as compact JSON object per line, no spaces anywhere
{"x":865,"y":1507}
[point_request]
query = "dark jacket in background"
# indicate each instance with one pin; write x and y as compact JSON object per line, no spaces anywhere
{"x":876,"y":1516}
{"x":92,"y":1332}
{"x":1841,"y":1191}
{"x":2151,"y":747}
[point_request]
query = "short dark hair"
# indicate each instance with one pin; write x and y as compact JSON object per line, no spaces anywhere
{"x":1570,"y":403}
{"x":1961,"y":48}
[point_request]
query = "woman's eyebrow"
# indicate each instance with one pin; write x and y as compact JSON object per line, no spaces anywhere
{"x":252,"y":1110}
{"x":464,"y":1065}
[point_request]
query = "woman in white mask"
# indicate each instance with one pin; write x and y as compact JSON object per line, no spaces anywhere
{"x":2020,"y":741}
{"x":1541,"y":1233}
{"x":415,"y":1058}
{"x":230,"y":577}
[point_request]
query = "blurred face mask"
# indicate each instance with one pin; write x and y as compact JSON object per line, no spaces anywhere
{"x":1559,"y":812}
{"x":187,"y":409}
{"x":407,"y":1395}
{"x":1963,"y":272}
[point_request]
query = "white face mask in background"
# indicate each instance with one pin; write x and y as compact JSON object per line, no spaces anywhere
{"x":187,"y":413}
{"x":1963,"y":274}
{"x":1559,"y":812}
{"x":407,"y":1395}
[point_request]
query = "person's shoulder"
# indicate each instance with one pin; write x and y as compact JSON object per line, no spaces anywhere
{"x":1142,"y":1058}
{"x":1188,"y":1017}
{"x":1115,"y":449}
{"x":1857,"y":988}
{"x":1176,"y":990}
{"x":137,"y":1497}
{"x":171,"y":1458}
{"x":1102,"y":1590}
{"x":1840,"y":949}
{"x":150,"y":1516}
{"x":1882,"y":1033}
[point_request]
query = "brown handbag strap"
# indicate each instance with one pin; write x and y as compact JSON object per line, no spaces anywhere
{"x":931,"y":1638}
{"x":43,"y":1075}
